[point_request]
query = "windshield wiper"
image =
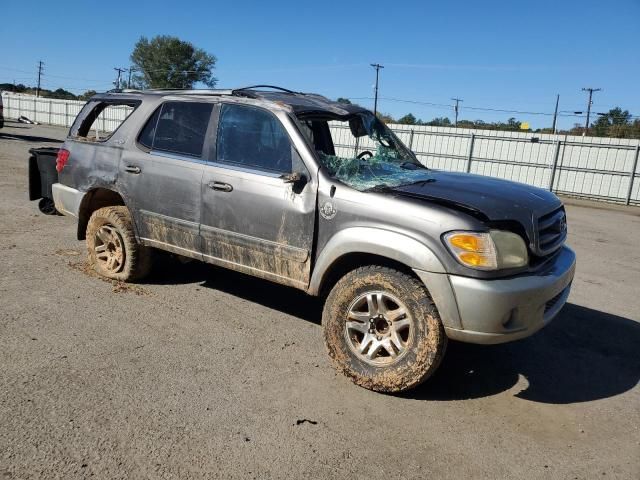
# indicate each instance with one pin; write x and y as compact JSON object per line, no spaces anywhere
{"x":380,"y":188}
{"x":412,"y":166}
{"x":418,"y":182}
{"x":384,"y":188}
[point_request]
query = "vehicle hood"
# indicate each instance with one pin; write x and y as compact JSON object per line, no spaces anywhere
{"x":492,"y":198}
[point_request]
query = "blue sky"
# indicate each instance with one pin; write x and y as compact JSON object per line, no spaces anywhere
{"x":503,"y":55}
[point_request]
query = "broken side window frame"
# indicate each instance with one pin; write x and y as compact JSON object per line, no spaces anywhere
{"x":89,"y":115}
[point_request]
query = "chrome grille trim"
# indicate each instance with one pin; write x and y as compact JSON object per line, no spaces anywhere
{"x":552,"y":232}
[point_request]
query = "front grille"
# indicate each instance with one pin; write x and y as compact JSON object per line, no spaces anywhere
{"x":552,"y":231}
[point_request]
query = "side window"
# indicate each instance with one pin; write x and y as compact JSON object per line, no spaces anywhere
{"x":177,"y":127}
{"x":102,"y":120}
{"x":149,"y":130}
{"x":253,"y":138}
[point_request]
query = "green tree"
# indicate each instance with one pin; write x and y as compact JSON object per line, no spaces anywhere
{"x":10,"y":87}
{"x":615,"y":123}
{"x":408,"y":119}
{"x":439,"y":122}
{"x":513,"y":124}
{"x":344,"y":100}
{"x":168,"y":62}
{"x":62,"y":94}
{"x":385,"y":118}
{"x":87,"y":95}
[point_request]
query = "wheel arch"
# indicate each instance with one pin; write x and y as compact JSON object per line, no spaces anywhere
{"x":359,"y":246}
{"x":93,"y":200}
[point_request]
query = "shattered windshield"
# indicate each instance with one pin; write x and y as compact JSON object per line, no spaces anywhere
{"x":363,"y":153}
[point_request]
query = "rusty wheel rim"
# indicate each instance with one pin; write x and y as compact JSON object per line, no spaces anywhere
{"x":378,"y":328}
{"x":109,"y":249}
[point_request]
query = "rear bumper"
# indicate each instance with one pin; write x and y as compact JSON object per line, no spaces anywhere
{"x":66,"y":199}
{"x":503,"y":310}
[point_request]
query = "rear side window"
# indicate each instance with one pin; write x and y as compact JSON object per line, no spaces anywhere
{"x":177,"y":127}
{"x":149,"y":130}
{"x":101,"y":120}
{"x":253,"y":138}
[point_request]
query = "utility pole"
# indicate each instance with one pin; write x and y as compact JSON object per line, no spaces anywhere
{"x":119,"y":70}
{"x":131,"y":69}
{"x":377,"y":66}
{"x":40,"y":68}
{"x":555,"y":114}
{"x":456,"y":109}
{"x":590,"y":90}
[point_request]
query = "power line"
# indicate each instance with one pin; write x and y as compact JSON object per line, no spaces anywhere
{"x":482,"y":109}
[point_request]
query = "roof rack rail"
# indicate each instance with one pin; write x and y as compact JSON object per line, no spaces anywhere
{"x":192,"y":91}
{"x":274,"y":87}
{"x":168,"y":91}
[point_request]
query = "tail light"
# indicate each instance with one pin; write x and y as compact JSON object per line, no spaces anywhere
{"x":61,"y":159}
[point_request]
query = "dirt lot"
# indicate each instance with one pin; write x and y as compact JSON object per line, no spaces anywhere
{"x":202,"y":373}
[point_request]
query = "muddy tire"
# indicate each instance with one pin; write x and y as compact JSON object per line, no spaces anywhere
{"x":382,"y":329}
{"x":113,"y":250}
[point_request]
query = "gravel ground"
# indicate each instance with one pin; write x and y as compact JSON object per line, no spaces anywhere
{"x":203,"y":373}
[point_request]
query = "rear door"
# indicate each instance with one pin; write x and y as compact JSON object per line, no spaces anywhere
{"x":252,"y":220}
{"x":162,"y":177}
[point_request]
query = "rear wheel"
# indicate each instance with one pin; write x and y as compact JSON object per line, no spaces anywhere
{"x":113,"y":249}
{"x":382,"y":329}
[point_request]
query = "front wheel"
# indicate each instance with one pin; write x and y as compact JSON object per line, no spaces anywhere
{"x":382,"y":329}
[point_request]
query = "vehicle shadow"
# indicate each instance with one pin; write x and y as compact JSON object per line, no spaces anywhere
{"x":28,"y":138}
{"x":583,"y":355}
{"x":284,"y":299}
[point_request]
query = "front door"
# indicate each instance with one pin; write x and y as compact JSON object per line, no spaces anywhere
{"x":162,"y":179}
{"x":252,"y":220}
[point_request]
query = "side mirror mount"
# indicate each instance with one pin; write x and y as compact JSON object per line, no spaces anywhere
{"x":296,"y":179}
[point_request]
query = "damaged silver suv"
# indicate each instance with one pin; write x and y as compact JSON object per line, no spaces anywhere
{"x":323,"y":197}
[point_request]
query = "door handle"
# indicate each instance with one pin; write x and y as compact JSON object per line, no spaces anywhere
{"x":222,"y":187}
{"x":132,"y":169}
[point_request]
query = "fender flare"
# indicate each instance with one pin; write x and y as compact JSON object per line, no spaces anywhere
{"x":88,"y":198}
{"x":385,"y":243}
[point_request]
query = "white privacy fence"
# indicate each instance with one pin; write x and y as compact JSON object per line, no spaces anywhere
{"x":59,"y":112}
{"x":589,"y":167}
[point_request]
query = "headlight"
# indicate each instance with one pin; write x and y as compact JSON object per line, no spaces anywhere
{"x":493,"y":250}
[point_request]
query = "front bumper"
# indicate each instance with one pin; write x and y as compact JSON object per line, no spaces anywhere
{"x":501,"y":310}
